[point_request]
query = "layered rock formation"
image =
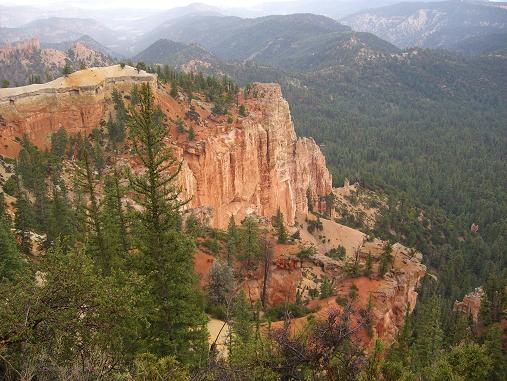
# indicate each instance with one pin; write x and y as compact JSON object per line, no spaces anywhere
{"x":25,"y":62}
{"x":391,"y":297}
{"x":396,"y":296}
{"x":77,"y":103}
{"x":258,"y":167}
{"x":471,"y":304}
{"x":19,"y":48}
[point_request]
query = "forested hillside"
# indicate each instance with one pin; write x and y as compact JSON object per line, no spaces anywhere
{"x":428,"y":128}
{"x":109,"y":271}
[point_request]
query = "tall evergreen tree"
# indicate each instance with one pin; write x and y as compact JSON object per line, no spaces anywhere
{"x":249,"y":243}
{"x":59,"y":142}
{"x":114,"y":218}
{"x":86,"y":179}
{"x":177,"y":320}
{"x":23,"y":221}
{"x":60,"y":225}
{"x":429,"y":338}
{"x":231,"y":245}
{"x":10,"y":262}
{"x":281,"y":231}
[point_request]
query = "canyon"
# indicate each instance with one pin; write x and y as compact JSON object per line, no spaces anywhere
{"x":255,"y":166}
{"x":239,"y":165}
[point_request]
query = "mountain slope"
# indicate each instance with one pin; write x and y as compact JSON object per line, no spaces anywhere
{"x":237,"y":38}
{"x":331,"y":8}
{"x":25,"y":62}
{"x":85,"y":40}
{"x":488,"y":44}
{"x":431,"y":25}
{"x":58,"y":29}
{"x":174,"y":53}
{"x":148,"y":23}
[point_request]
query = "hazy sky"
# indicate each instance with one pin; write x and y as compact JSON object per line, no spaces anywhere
{"x":160,"y":4}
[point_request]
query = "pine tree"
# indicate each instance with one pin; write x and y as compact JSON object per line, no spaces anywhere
{"x":368,"y":265}
{"x":232,"y":242}
{"x":177,"y":321}
{"x":191,"y":134}
{"x":281,"y":231}
{"x":174,"y":89}
{"x":242,"y":316}
{"x":428,"y":341}
{"x":309,"y":199}
{"x":267,"y":254}
{"x":10,"y":262}
{"x":114,"y":220}
{"x":23,"y":222}
{"x":221,"y":283}
{"x":249,"y":243}
{"x":180,"y":126}
{"x":59,"y":142}
{"x":386,"y":259}
{"x":60,"y":226}
{"x":67,"y":69}
{"x":116,"y":128}
{"x":494,"y":301}
{"x":497,"y":352}
{"x":87,"y":180}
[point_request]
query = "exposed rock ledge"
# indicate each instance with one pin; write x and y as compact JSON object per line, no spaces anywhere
{"x":76,"y":102}
{"x":256,"y":168}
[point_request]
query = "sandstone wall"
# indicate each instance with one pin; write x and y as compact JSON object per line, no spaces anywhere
{"x":397,"y":294}
{"x":77,"y":102}
{"x":256,"y":168}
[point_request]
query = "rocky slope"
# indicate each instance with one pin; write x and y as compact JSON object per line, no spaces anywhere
{"x":77,"y":102}
{"x":430,"y":24}
{"x":255,"y":166}
{"x":26,"y":61}
{"x":252,"y":165}
{"x":391,"y":296}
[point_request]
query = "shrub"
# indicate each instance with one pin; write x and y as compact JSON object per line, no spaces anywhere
{"x":212,"y":245}
{"x":338,"y":253}
{"x":280,"y":311}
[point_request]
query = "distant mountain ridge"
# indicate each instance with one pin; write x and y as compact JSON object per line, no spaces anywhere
{"x":58,"y":29}
{"x":175,"y":54}
{"x":86,"y":40}
{"x":430,"y":25}
{"x":488,"y":44}
{"x":238,"y":38}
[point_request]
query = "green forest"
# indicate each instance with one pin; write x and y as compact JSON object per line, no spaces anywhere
{"x":115,"y":295}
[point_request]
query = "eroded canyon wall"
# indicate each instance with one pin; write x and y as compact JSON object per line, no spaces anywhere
{"x":76,"y":102}
{"x":256,"y":166}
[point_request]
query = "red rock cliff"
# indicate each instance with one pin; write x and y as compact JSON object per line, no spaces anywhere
{"x":257,"y":167}
{"x":77,"y":102}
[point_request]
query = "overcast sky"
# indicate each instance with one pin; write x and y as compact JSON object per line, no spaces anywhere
{"x":159,"y":4}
